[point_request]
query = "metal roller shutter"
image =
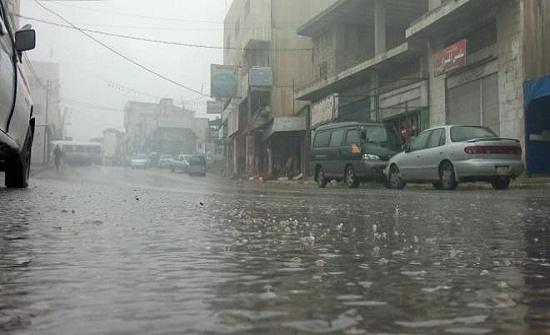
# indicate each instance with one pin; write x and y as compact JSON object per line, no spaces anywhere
{"x":465,"y":104}
{"x":476,"y":103}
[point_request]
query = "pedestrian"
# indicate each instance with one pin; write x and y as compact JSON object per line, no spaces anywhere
{"x":57,"y":153}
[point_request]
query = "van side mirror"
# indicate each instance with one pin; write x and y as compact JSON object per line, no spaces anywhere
{"x":406,"y":147}
{"x":363,"y":135}
{"x":25,"y":40}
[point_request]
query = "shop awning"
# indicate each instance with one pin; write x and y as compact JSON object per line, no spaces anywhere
{"x":535,"y":89}
{"x":286,"y":124}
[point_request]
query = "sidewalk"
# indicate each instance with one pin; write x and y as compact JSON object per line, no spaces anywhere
{"x":521,"y":182}
{"x":38,"y":168}
{"x":538,"y":181}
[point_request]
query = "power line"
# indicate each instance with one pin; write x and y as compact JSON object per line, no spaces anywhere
{"x":151,"y":40}
{"x":83,"y":104}
{"x":120,"y":54}
{"x":112,"y":83}
{"x":140,"y":16}
{"x":158,"y":18}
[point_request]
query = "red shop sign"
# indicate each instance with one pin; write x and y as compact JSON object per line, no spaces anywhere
{"x":450,"y":58}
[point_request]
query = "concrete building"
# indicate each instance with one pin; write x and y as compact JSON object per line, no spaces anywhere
{"x":264,"y":124}
{"x":163,"y":128}
{"x":43,"y":78}
{"x":420,"y":63}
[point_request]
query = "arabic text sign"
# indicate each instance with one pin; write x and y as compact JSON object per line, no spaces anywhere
{"x":450,"y":58}
{"x":261,"y":76}
{"x":224,"y":81}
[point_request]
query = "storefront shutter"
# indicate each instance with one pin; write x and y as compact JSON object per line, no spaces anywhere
{"x":465,"y":104}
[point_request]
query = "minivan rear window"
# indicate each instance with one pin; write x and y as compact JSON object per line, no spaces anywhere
{"x":322,"y":139}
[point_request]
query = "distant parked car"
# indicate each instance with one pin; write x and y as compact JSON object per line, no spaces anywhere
{"x":448,"y":155}
{"x":179,"y":163}
{"x":165,"y":161}
{"x":197,"y":165}
{"x":140,"y":161}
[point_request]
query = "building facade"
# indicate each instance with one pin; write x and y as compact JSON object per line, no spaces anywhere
{"x":420,"y":63}
{"x":264,"y":123}
{"x":162,"y":128}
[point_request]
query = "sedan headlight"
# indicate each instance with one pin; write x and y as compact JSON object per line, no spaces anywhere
{"x":369,"y":157}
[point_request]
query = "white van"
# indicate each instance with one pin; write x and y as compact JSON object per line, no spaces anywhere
{"x":16,"y":119}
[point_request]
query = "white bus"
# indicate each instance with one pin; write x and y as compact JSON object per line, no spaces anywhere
{"x":79,"y":152}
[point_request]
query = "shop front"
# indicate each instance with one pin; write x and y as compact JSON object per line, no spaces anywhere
{"x":284,"y":141}
{"x":473,"y":97}
{"x":407,"y":109}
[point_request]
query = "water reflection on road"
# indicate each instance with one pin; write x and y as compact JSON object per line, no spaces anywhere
{"x":100,"y":259}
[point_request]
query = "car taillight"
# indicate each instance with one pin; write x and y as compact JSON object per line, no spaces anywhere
{"x":493,"y":149}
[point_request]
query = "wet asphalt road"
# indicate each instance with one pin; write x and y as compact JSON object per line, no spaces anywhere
{"x":115,"y":251}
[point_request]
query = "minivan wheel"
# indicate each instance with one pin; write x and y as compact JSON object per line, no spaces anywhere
{"x":394,"y":179}
{"x":321,"y":178}
{"x":500,"y":183}
{"x":447,"y":177}
{"x":18,"y":170}
{"x":350,"y":179}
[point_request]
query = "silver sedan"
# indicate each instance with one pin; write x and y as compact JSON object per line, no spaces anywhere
{"x":447,"y":155}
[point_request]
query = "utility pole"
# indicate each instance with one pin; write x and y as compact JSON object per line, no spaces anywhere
{"x":46,"y":158}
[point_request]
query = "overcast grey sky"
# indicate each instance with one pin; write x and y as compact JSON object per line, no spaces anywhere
{"x":96,"y":83}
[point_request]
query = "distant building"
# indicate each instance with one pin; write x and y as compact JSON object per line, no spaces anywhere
{"x":163,"y":128}
{"x":264,"y":125}
{"x":43,"y":78}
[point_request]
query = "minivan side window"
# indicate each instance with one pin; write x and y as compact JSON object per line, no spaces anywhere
{"x":336,"y":138}
{"x":322,"y":139}
{"x":353,"y":136}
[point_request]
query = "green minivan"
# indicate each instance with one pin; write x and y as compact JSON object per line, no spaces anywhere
{"x":352,"y":152}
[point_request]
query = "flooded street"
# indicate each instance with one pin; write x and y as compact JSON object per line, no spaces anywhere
{"x":117,"y":251}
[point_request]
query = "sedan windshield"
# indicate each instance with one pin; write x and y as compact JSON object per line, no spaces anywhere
{"x":465,"y":133}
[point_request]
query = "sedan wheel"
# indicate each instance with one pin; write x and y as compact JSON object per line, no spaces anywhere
{"x":351,"y":180}
{"x":447,"y":178}
{"x":321,"y":179}
{"x":394,"y":179}
{"x":501,"y":183}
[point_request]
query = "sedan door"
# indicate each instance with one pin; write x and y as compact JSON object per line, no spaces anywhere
{"x":432,"y":156}
{"x":410,"y":164}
